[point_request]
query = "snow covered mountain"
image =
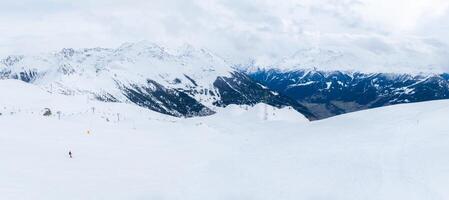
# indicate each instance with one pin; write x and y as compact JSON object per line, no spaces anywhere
{"x":324,"y":79}
{"x":330,"y":93}
{"x":188,"y":82}
{"x":183,"y":82}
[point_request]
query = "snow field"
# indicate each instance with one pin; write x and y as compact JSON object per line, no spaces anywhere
{"x":397,"y":152}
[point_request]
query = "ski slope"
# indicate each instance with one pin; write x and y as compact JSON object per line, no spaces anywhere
{"x":122,"y":151}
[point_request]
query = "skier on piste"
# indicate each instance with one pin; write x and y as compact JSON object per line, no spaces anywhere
{"x":70,"y":154}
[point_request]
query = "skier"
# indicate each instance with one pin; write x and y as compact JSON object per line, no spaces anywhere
{"x":70,"y":154}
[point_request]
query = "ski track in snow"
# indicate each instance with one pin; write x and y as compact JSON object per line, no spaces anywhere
{"x":396,"y":152}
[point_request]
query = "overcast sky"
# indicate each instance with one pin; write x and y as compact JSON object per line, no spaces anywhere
{"x":236,"y":29}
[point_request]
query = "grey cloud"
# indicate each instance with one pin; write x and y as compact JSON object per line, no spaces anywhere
{"x":375,"y":45}
{"x":237,"y":29}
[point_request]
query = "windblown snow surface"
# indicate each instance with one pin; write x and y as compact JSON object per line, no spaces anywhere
{"x":122,"y":151}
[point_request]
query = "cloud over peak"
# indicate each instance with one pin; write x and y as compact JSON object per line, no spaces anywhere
{"x":239,"y":30}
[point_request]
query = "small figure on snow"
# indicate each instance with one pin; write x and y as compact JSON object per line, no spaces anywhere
{"x":70,"y":154}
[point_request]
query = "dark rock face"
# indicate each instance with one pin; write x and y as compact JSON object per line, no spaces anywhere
{"x":240,"y":89}
{"x":328,"y":94}
{"x":167,"y":101}
{"x":26,"y":76}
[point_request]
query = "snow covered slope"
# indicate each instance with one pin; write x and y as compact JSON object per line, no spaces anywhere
{"x":259,"y":112}
{"x":183,"y":82}
{"x":123,"y":151}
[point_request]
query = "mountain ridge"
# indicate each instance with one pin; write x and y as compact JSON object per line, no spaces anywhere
{"x":330,"y":93}
{"x":184,"y":82}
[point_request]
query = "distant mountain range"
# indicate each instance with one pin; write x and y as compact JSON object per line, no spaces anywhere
{"x":330,"y":93}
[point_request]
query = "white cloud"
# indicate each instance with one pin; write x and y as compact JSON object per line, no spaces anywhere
{"x":236,"y":29}
{"x":402,"y":15}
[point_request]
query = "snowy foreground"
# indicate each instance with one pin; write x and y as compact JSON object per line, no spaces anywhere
{"x":125,"y":152}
